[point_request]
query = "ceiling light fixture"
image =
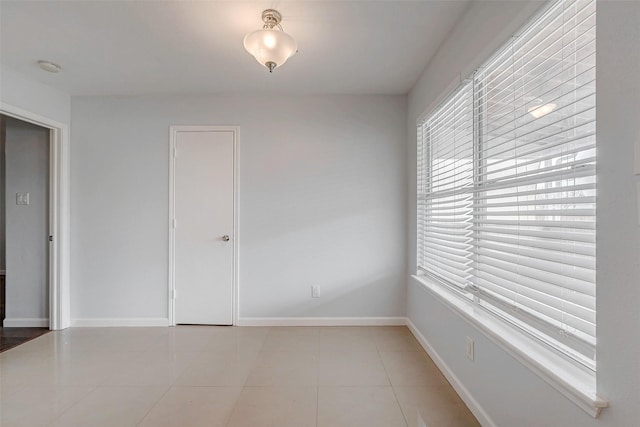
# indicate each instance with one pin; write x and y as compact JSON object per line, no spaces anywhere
{"x":271,"y":46}
{"x":538,"y":111}
{"x":49,"y":66}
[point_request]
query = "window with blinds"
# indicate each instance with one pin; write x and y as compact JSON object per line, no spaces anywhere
{"x":445,"y":190}
{"x":507,"y":183}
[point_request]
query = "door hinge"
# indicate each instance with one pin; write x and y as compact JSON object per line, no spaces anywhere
{"x":175,"y":152}
{"x":174,"y":223}
{"x":51,"y":238}
{"x":173,"y":294}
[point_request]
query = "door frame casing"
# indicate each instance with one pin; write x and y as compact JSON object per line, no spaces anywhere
{"x":173,"y":134}
{"x":59,"y":213}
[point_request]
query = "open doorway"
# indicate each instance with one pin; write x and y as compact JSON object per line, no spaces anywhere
{"x":24,"y":230}
{"x":60,"y":224}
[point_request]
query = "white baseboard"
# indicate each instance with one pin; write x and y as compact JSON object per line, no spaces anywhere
{"x":322,"y":321}
{"x":120,"y":322}
{"x":251,"y":321}
{"x":469,"y":400}
{"x":25,"y":323}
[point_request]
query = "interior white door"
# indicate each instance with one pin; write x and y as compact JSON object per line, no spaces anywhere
{"x":204,"y":214}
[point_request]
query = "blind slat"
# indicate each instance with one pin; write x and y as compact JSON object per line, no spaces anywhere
{"x":548,"y":244}
{"x":545,"y":224}
{"x":566,"y":263}
{"x":561,"y":235}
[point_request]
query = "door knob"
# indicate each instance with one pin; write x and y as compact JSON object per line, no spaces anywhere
{"x":225,"y":238}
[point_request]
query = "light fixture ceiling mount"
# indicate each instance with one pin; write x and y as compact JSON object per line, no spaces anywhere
{"x":271,"y":46}
{"x":271,"y":18}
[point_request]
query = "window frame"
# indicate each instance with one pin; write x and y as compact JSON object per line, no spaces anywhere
{"x":557,"y":368}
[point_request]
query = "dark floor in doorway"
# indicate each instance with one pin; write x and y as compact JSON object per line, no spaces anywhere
{"x":12,"y":337}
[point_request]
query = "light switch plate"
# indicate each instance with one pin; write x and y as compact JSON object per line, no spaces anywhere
{"x":22,"y":198}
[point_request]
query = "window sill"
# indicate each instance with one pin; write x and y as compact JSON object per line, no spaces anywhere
{"x":574,"y":383}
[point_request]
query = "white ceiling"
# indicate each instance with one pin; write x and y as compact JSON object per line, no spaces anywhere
{"x":180,"y":46}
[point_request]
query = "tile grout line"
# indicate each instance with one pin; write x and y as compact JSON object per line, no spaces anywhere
{"x":393,"y":389}
{"x":244,"y":383}
{"x":318,"y":403}
{"x":55,"y":420}
{"x":406,"y":421}
{"x":154,"y":405}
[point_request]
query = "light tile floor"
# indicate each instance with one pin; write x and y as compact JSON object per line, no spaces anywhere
{"x":226,"y":376}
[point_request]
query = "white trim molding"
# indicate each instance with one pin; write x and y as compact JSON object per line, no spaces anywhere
{"x":25,"y":323}
{"x":59,"y":216}
{"x":171,"y":291}
{"x":120,"y":322}
{"x":322,"y":321}
{"x":457,"y":385}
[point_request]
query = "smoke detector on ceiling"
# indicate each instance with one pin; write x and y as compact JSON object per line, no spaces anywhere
{"x":49,"y":66}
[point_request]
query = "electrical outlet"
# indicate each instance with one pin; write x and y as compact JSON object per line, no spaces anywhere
{"x":470,"y":349}
{"x":315,"y":291}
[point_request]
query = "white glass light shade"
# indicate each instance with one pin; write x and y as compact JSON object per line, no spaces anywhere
{"x":270,"y":46}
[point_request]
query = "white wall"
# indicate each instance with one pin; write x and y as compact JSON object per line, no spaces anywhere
{"x":507,"y":391}
{"x":322,"y":201}
{"x":618,"y":217}
{"x":27,"y":171}
{"x":35,"y":97}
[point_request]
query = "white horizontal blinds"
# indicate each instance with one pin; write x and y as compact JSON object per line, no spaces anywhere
{"x":534,"y":214}
{"x":445,"y":185}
